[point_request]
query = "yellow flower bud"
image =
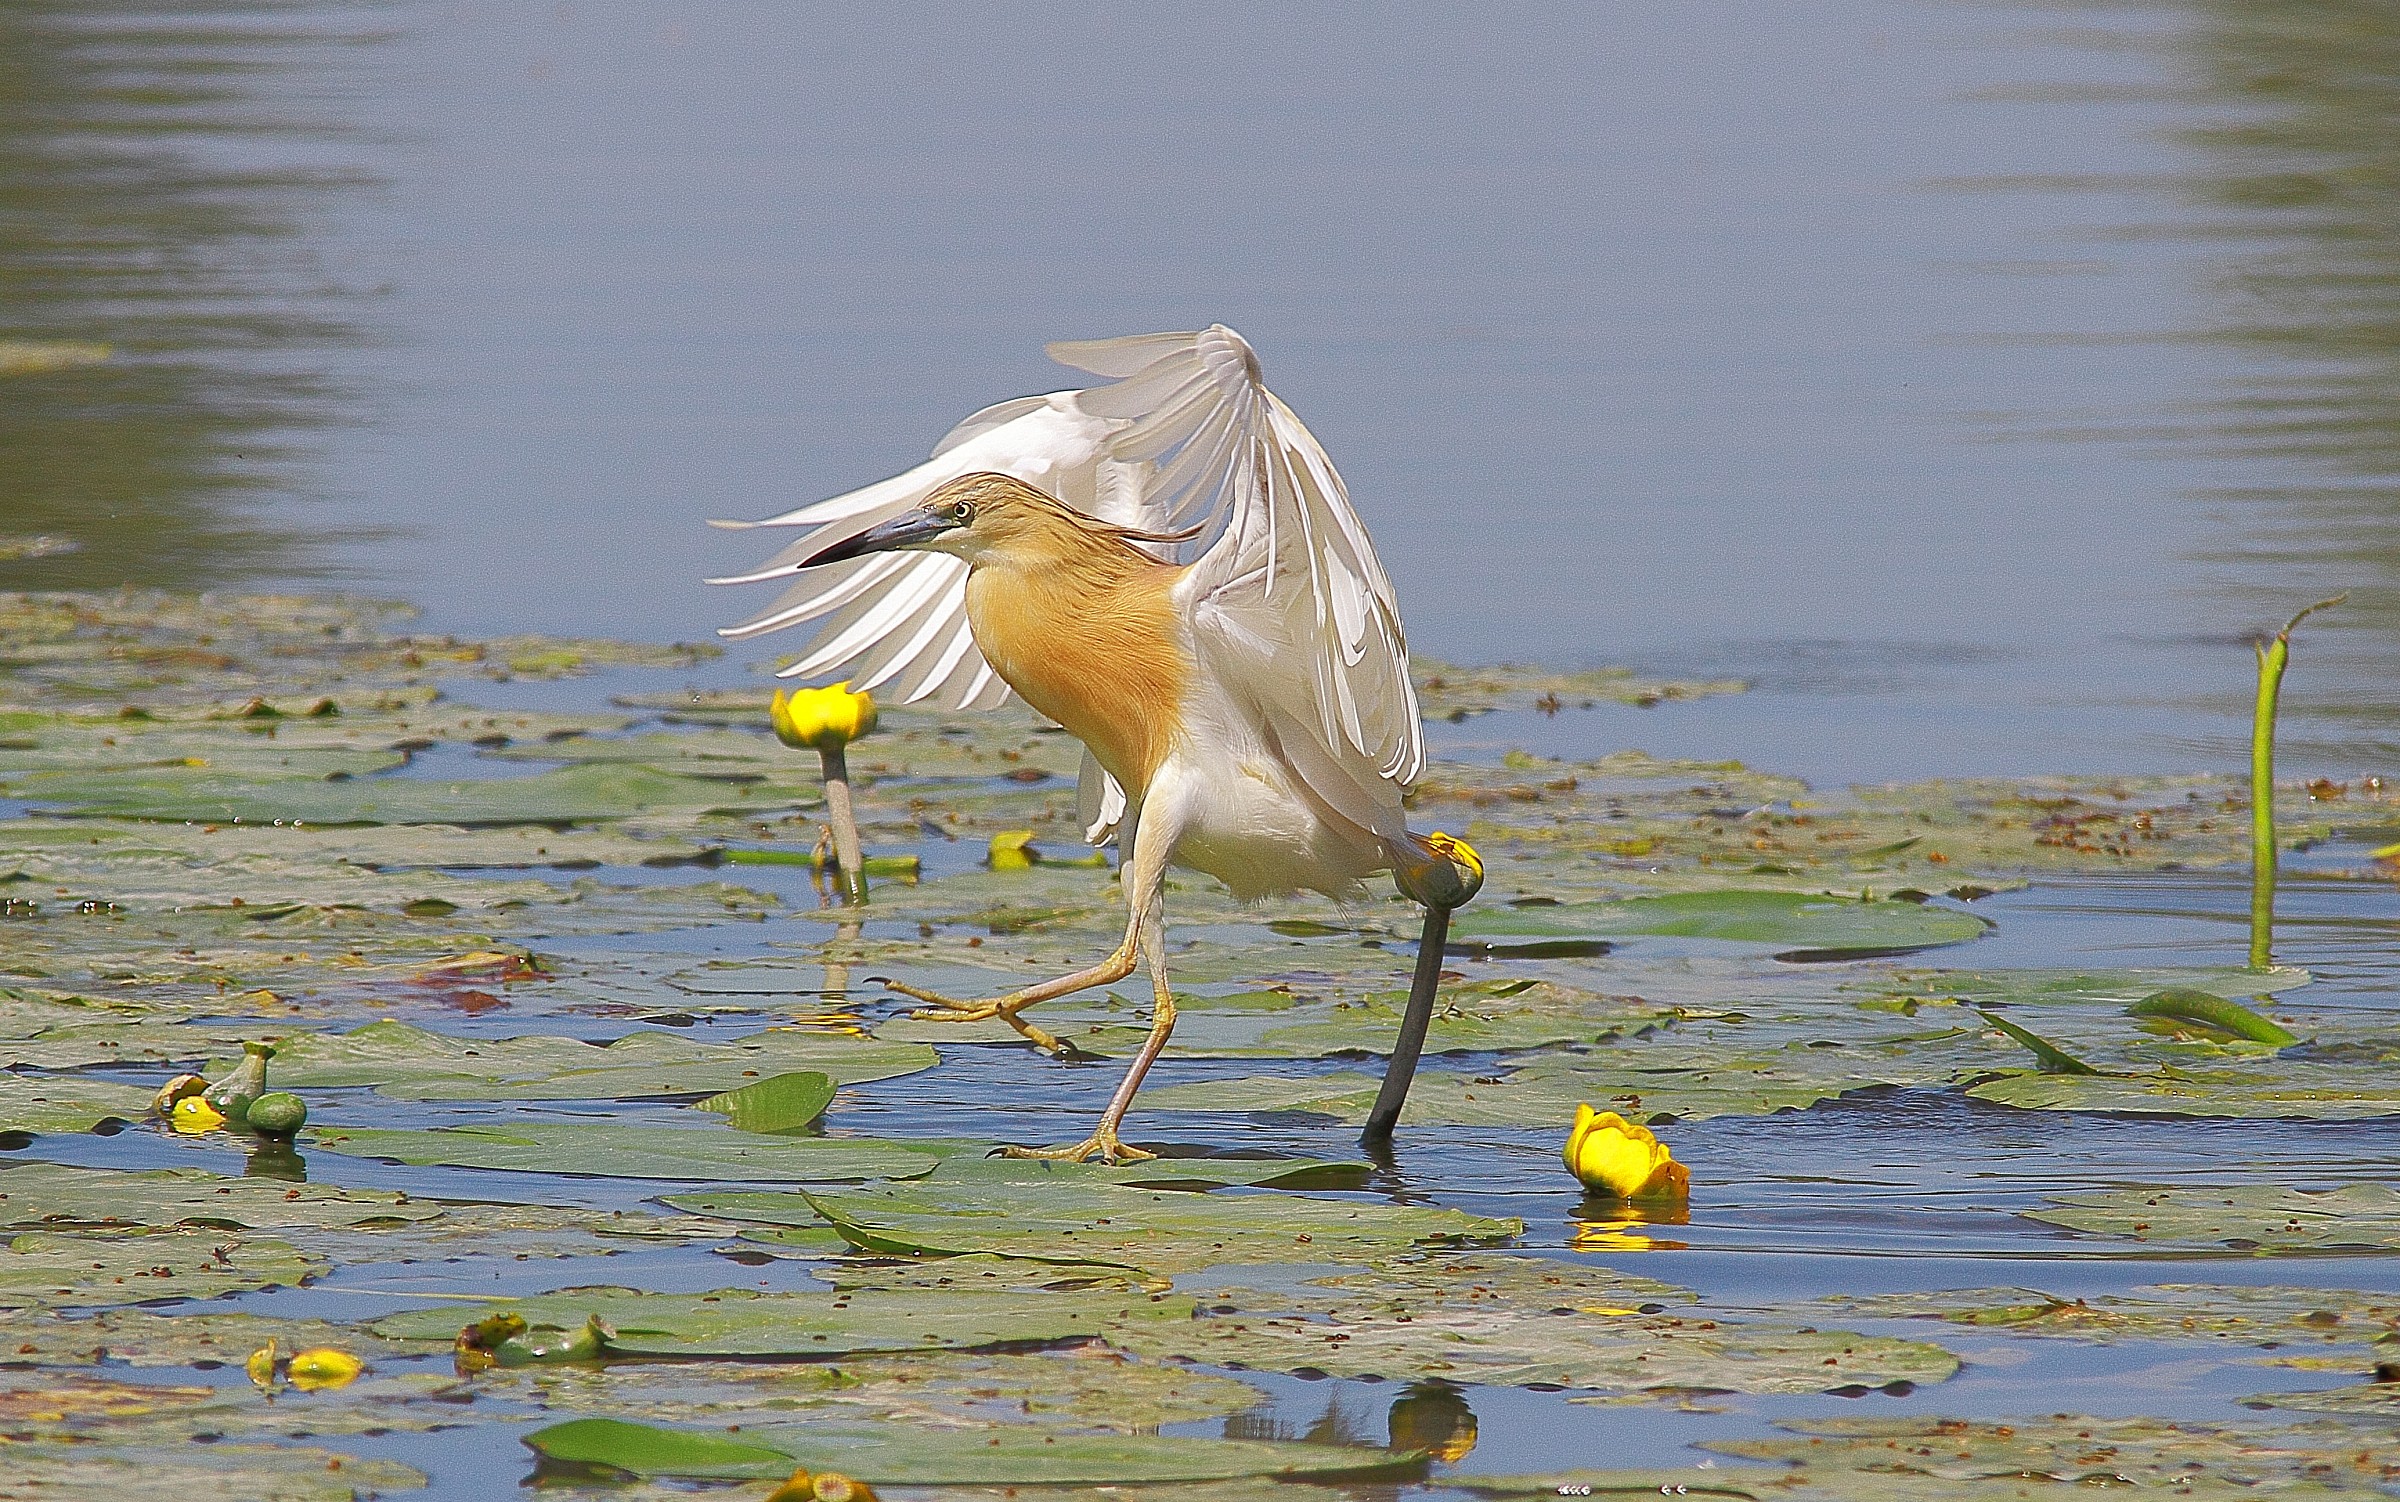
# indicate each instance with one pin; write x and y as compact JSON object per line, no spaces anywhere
{"x":193,"y":1116}
{"x":324,"y":1367}
{"x":1012,"y":850}
{"x":820,"y":717}
{"x":261,"y":1367}
{"x":1612,"y":1156}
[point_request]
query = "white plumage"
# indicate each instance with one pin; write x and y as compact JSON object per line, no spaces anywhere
{"x":1297,"y":729}
{"x":1287,"y":598}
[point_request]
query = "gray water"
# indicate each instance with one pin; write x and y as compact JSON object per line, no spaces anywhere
{"x":1975,"y":379}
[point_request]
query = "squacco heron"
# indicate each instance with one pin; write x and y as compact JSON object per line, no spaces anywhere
{"x":1245,"y":712}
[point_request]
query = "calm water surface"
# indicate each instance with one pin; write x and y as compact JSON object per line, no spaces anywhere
{"x":1974,"y":378}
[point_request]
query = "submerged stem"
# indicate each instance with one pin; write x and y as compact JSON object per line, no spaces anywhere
{"x":2273,"y":655}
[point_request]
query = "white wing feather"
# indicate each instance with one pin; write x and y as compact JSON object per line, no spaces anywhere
{"x":1289,"y":603}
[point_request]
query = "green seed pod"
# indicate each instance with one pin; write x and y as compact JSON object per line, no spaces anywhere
{"x":278,"y":1113}
{"x":233,"y":1094}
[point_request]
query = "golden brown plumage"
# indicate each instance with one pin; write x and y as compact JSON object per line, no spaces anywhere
{"x":1078,"y":620}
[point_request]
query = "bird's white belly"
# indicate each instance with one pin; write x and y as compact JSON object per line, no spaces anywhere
{"x":1244,"y":820}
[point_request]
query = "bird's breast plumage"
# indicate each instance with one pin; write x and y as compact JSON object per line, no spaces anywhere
{"x":1101,"y":652}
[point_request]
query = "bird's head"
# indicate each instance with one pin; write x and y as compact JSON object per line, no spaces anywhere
{"x":978,"y":516}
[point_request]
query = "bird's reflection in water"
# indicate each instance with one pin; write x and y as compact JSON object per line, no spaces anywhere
{"x":1607,"y":1225}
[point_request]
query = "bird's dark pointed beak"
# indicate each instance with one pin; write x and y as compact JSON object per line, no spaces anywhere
{"x":907,"y":530}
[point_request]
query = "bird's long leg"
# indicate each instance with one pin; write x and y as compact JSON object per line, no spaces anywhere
{"x":1103,"y":1143}
{"x":1108,"y":972}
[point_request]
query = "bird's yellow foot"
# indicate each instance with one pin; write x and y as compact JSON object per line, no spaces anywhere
{"x":943,"y":1009}
{"x":1102,"y":1144}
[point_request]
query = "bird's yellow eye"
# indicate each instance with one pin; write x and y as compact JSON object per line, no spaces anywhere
{"x":963,"y":513}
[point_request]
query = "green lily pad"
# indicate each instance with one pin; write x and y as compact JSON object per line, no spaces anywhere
{"x":2251,"y":1217}
{"x":68,"y":1104}
{"x":177,"y":1472}
{"x":569,"y":795}
{"x":1518,"y":1321}
{"x":54,"y":1269}
{"x":2020,"y":1459}
{"x":994,"y":1455}
{"x":1071,"y":1221}
{"x":786,"y":1103}
{"x":2260,"y":1316}
{"x":1804,"y":926}
{"x":647,"y":1450}
{"x":38,"y":1195}
{"x":2282,"y":1089}
{"x":1654,"y":1083}
{"x":735,"y":1322}
{"x":624,"y":1150}
{"x":416,"y":1064}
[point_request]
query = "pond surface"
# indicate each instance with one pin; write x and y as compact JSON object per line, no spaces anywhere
{"x":1972,"y":381}
{"x":1975,"y":379}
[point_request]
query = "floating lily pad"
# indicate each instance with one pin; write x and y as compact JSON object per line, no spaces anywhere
{"x":1803,"y":926}
{"x":570,"y":795}
{"x":908,"y":1455}
{"x":785,"y":1103}
{"x":417,"y":1064}
{"x":2280,"y":1088}
{"x":2264,"y":1316}
{"x":1071,"y":1221}
{"x":68,"y":1104}
{"x":51,"y":1195}
{"x":1516,"y":1321}
{"x":2249,"y":1217}
{"x":734,"y":1322}
{"x":54,"y":1269}
{"x":610,"y":1149}
{"x":179,"y":1472}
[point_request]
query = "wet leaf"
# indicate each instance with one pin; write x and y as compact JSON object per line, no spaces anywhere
{"x":177,"y":1472}
{"x":907,"y":1455}
{"x":610,"y":1149}
{"x":68,"y":1104}
{"x":570,"y":795}
{"x":2054,"y":1059}
{"x":2261,"y":1316}
{"x":2249,"y":1217}
{"x":1804,"y":926}
{"x":2269,"y":1088}
{"x":646,"y":1450}
{"x":1514,"y":1321}
{"x":1072,"y":1221}
{"x":734,"y":1322}
{"x":786,"y":1103}
{"x":51,"y":1195}
{"x":2229,"y":1017}
{"x":55,"y":1269}
{"x":417,"y":1064}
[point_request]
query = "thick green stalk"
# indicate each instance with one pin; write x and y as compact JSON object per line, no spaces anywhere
{"x":2273,"y":655}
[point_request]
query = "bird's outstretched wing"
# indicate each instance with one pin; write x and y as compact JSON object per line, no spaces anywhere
{"x":1290,"y":606}
{"x":1288,"y":597}
{"x":898,"y":621}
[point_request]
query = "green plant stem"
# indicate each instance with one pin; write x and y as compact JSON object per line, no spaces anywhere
{"x":1419,"y":1016}
{"x":2273,"y":655}
{"x":845,"y":822}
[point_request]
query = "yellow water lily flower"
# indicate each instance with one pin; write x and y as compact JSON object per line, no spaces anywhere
{"x":822,"y":717}
{"x":1612,"y":1156}
{"x":261,"y":1367}
{"x":1441,"y":871}
{"x":823,"y":1486}
{"x":193,"y":1116}
{"x":324,"y":1367}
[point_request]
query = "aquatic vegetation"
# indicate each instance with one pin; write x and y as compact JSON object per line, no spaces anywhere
{"x":826,"y":720}
{"x":1610,"y":1156}
{"x":535,"y":1024}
